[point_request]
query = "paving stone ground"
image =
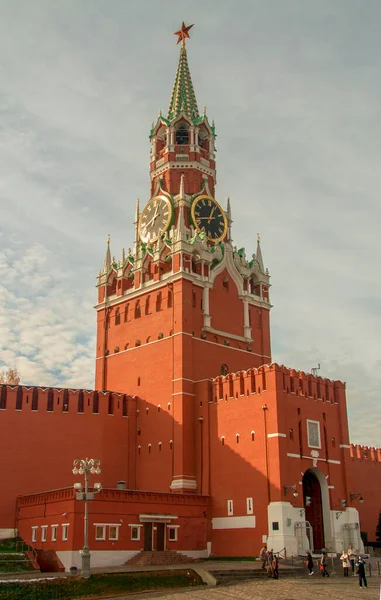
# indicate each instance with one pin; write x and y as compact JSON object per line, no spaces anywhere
{"x":334,"y":588}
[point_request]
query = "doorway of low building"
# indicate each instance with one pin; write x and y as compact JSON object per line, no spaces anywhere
{"x":147,"y":536}
{"x":160,"y":536}
{"x":314,"y":510}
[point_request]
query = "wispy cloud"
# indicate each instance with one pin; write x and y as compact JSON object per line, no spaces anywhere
{"x":295,"y":92}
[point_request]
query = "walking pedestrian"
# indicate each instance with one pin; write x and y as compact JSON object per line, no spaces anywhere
{"x":361,"y":572}
{"x":323,"y":564}
{"x":263,"y":556}
{"x":352,"y":558}
{"x":345,"y":562}
{"x":275,"y":567}
{"x":310,"y":563}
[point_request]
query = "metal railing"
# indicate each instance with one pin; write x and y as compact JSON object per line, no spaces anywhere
{"x":30,"y":551}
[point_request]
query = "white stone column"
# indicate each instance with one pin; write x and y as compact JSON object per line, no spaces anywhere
{"x":205,"y":305}
{"x":246,"y":319}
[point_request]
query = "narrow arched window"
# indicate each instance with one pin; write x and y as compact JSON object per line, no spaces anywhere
{"x":182,"y":135}
{"x":170,"y":298}
{"x":158,"y":301}
{"x":137,"y":310}
{"x":224,"y":370}
{"x":126,"y":313}
{"x":117,"y":317}
{"x":147,"y":305}
{"x":252,"y":436}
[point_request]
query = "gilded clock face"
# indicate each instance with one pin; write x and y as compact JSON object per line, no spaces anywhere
{"x":209,"y":217}
{"x":155,"y":218}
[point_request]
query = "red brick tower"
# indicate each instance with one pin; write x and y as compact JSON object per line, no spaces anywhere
{"x":185,"y":305}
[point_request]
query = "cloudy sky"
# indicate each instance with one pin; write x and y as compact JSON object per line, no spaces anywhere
{"x":295,"y":91}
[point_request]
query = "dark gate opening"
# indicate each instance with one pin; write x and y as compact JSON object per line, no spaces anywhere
{"x":314,"y":509}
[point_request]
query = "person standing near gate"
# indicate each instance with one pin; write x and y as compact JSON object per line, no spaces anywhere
{"x":345,"y":562}
{"x":361,"y":572}
{"x":352,"y":557}
{"x":263,"y":556}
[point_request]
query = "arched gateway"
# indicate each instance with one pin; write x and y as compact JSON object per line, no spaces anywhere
{"x":313,"y":505}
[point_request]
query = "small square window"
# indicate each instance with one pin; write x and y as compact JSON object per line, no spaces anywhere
{"x":65,"y":532}
{"x":54,"y":533}
{"x":43,"y":533}
{"x":172,"y":534}
{"x":135,"y":533}
{"x":249,"y":506}
{"x":100,"y":532}
{"x":275,"y":525}
{"x":34,"y":534}
{"x":230,"y":508}
{"x":113,"y":532}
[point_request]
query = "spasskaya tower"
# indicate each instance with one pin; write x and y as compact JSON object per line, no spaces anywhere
{"x":183,"y":304}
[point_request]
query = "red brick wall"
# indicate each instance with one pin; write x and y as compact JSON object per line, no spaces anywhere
{"x":38,"y":447}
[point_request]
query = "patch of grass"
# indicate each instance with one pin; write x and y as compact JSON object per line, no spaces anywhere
{"x":99,"y":585}
{"x":10,"y":545}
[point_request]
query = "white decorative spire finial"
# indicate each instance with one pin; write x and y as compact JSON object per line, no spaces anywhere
{"x":182,"y":189}
{"x":136,"y":223}
{"x":259,"y":254}
{"x":107,"y":260}
{"x":229,"y":217}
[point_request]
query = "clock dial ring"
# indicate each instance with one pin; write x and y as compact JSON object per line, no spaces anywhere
{"x":155,"y":218}
{"x":209,"y":217}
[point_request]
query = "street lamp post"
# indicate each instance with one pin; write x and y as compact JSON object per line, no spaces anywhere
{"x":85,"y":467}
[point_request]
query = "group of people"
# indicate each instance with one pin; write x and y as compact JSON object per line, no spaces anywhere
{"x":348,"y":559}
{"x":270,"y":562}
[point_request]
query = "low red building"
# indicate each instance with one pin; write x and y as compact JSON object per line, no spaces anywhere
{"x":220,"y":448}
{"x":118,"y":529}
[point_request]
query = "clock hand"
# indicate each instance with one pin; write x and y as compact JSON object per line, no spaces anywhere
{"x":211,"y":214}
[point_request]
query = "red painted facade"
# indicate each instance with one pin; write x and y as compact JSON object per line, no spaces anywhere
{"x":200,"y":421}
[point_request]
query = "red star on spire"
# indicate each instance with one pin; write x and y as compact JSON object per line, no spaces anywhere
{"x":183,"y":33}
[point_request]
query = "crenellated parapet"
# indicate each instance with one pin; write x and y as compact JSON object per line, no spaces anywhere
{"x":277,"y":378}
{"x":63,"y":400}
{"x":366,"y":453}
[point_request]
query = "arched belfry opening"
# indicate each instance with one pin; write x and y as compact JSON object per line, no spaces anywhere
{"x":312,"y":495}
{"x":182,"y":134}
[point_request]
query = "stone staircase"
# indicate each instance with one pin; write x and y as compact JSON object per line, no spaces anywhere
{"x":156,"y":557}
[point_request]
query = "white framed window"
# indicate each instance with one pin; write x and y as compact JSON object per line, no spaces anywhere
{"x":54,"y":533}
{"x":65,"y":532}
{"x":135,"y":533}
{"x":43,"y":533}
{"x":34,"y":534}
{"x":113,"y":532}
{"x":249,"y":506}
{"x":313,"y":434}
{"x":100,"y":532}
{"x":172,"y":533}
{"x":230,"y":508}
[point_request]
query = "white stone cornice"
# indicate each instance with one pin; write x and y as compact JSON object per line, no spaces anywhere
{"x":183,"y":165}
{"x":239,"y":338}
{"x":150,"y":287}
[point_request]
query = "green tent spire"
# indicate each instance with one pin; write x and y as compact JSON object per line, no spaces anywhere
{"x":183,"y":99}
